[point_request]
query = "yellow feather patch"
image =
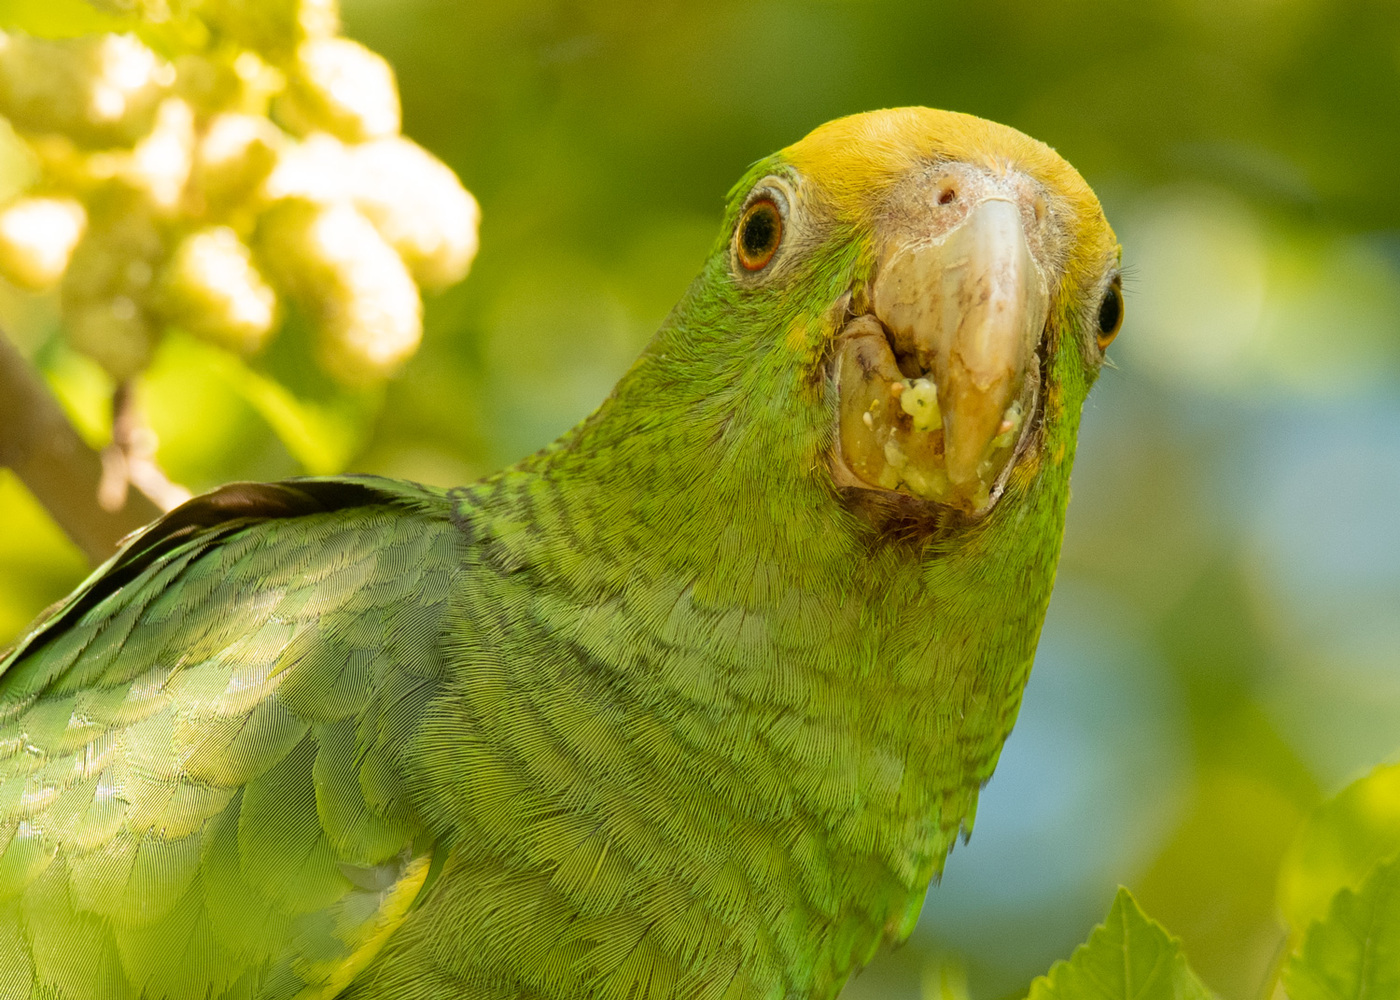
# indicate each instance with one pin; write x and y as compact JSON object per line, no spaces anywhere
{"x":797,"y":335}
{"x":369,"y":938}
{"x":855,"y":161}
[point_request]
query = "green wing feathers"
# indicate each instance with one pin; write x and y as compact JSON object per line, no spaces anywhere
{"x":199,"y":791}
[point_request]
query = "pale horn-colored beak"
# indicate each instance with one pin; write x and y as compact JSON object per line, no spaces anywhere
{"x":961,"y":315}
{"x":970,"y":307}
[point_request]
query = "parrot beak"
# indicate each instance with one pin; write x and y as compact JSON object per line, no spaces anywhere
{"x":938,"y":379}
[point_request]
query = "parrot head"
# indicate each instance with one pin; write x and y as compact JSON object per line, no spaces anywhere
{"x":944,"y":286}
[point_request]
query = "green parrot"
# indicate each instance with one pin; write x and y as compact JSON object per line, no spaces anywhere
{"x":692,"y":703}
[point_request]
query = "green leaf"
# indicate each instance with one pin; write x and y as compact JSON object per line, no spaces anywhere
{"x":323,"y":437}
{"x":1127,"y":957}
{"x":1340,"y":844}
{"x":1355,"y":951}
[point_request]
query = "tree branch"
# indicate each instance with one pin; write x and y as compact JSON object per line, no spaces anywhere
{"x":130,"y":460}
{"x":64,"y":474}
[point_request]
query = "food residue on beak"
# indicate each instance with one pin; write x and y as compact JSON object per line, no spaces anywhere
{"x":937,"y":378}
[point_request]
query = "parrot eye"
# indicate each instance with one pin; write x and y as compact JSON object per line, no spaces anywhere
{"x":1110,"y":314}
{"x":760,"y":232}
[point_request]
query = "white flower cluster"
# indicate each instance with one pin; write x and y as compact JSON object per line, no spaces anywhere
{"x":263,"y":166}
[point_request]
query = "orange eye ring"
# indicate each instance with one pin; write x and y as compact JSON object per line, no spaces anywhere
{"x":1110,"y":314}
{"x":758,"y":235}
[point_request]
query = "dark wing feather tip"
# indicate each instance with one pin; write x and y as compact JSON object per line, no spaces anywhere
{"x":229,"y":507}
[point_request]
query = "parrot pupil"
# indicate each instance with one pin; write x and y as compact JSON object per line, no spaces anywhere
{"x":1110,"y":315}
{"x":759,"y":234}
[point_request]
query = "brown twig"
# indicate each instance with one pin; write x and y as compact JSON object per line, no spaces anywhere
{"x":39,"y":443}
{"x":130,"y":460}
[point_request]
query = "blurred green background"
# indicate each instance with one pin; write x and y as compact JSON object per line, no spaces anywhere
{"x":1224,"y":644}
